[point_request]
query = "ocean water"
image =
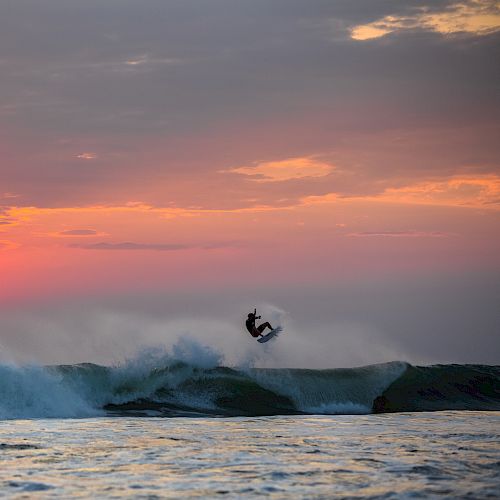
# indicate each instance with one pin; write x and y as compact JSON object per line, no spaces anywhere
{"x":172,"y":425}
{"x":454,"y":454}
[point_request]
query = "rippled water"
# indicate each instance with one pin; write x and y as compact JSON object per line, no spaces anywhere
{"x":454,"y":454}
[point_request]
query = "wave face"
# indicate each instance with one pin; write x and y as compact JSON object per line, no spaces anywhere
{"x":442,"y":387}
{"x":180,"y":388}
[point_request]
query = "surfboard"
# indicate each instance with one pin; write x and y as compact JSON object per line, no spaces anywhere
{"x":270,"y":335}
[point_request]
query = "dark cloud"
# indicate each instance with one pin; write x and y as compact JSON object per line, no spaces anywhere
{"x":78,"y":232}
{"x":201,"y":63}
{"x":5,"y":219}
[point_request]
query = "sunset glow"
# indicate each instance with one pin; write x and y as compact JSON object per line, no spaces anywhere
{"x":191,"y":152}
{"x":249,"y":248}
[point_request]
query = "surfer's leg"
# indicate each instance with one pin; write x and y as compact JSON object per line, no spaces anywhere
{"x":262,"y":327}
{"x":256,"y":332}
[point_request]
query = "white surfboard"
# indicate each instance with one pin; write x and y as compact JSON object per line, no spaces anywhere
{"x":270,"y":335}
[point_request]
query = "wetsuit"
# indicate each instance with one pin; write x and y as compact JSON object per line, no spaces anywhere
{"x":250,"y":324}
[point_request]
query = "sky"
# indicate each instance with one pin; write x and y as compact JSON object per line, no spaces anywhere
{"x":167,"y":165}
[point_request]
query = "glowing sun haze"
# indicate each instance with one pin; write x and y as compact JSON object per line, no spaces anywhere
{"x":306,"y":153}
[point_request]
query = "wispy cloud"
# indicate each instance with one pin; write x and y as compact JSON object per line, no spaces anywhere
{"x":145,"y":59}
{"x":87,"y":156}
{"x":10,"y":195}
{"x":479,"y":17}
{"x":27,"y":214}
{"x":399,"y":234}
{"x":162,"y":247}
{"x":7,"y":245}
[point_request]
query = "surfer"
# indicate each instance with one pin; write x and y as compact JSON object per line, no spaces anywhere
{"x":256,"y":331}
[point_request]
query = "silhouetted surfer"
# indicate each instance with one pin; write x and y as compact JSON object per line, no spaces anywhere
{"x":256,"y":331}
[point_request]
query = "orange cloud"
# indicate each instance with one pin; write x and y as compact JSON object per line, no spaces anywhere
{"x":459,"y":191}
{"x":464,"y":191}
{"x":192,"y":227}
{"x":479,"y":17}
{"x":284,"y":170}
{"x":18,"y":215}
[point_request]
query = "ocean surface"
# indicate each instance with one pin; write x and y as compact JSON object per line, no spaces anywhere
{"x":164,"y":427}
{"x":453,"y":454}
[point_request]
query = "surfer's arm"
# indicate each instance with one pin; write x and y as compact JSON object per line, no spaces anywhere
{"x":255,"y":314}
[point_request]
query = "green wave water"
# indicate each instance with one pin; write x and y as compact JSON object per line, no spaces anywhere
{"x":172,"y":388}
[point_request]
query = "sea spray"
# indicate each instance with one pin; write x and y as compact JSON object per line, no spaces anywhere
{"x":189,"y":350}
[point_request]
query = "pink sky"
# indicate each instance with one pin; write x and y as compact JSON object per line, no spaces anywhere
{"x":228,"y":147}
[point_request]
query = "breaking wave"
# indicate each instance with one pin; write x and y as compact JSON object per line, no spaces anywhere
{"x":176,"y":385}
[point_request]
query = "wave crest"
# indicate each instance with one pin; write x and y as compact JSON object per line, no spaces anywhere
{"x":191,"y":381}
